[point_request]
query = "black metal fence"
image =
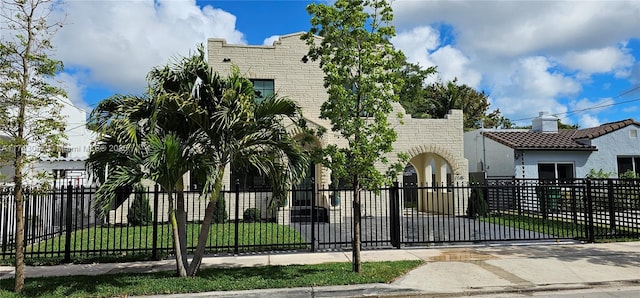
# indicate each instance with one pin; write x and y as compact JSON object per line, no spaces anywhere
{"x":64,"y":224}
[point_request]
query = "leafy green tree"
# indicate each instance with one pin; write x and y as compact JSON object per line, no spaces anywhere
{"x":362,"y":79}
{"x":193,"y":120}
{"x":437,"y":99}
{"x":29,"y":108}
{"x":495,"y":119}
{"x":414,"y":90}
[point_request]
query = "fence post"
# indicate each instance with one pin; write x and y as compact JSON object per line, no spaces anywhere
{"x":314,"y":214}
{"x":5,"y":221}
{"x":68,"y":223}
{"x":394,"y":197}
{"x":612,"y":211}
{"x":590,"y":226}
{"x":154,"y":241}
{"x":237,"y":219}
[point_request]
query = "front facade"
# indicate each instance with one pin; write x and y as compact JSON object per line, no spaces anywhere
{"x":546,"y":152}
{"x":434,"y":146}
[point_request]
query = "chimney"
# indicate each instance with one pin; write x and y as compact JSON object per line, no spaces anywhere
{"x":545,"y":123}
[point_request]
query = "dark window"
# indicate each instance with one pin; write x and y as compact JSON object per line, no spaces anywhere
{"x":196,"y":184}
{"x":628,"y":164}
{"x":555,"y":171}
{"x":249,"y":179}
{"x":59,"y":174}
{"x":262,"y":88}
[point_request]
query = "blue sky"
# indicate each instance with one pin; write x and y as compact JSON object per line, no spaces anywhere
{"x":575,"y":59}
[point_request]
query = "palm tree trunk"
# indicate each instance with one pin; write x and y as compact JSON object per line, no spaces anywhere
{"x":181,"y":217}
{"x":206,"y":224}
{"x":180,"y":264}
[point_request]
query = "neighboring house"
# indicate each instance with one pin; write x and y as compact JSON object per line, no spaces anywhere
{"x":434,"y":146}
{"x":67,"y":164}
{"x":546,"y":152}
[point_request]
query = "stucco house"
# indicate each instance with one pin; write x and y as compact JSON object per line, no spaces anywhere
{"x":546,"y":152}
{"x":67,"y":164}
{"x":434,"y":146}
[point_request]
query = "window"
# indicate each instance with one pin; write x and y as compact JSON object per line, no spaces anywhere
{"x":59,"y":174}
{"x":249,"y":179}
{"x":630,"y":163}
{"x":195,"y":183}
{"x":262,"y":88}
{"x":555,"y":171}
{"x":633,"y":134}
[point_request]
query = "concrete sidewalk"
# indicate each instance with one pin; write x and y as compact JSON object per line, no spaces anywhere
{"x":451,"y":271}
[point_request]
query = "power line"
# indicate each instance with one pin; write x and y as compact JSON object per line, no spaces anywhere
{"x":631,"y":90}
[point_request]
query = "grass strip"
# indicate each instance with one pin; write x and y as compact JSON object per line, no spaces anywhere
{"x":562,"y":227}
{"x":101,"y":244}
{"x":211,"y":279}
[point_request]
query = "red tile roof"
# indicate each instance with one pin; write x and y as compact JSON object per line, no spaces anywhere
{"x":594,"y":132}
{"x":563,"y":140}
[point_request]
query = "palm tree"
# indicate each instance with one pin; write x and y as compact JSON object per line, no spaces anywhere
{"x":140,"y":138}
{"x":235,"y":130}
{"x":192,"y":120}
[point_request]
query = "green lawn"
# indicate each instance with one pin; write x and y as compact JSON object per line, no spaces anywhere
{"x":558,"y":227}
{"x":133,"y":243}
{"x":223,"y":279}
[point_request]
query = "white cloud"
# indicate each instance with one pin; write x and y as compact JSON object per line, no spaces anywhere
{"x":453,"y":64}
{"x":530,"y":86}
{"x":513,"y":28}
{"x":118,"y":42}
{"x":591,"y":106}
{"x":270,"y":40}
{"x":533,"y":76}
{"x":602,"y":60}
{"x":530,"y":56}
{"x":74,"y":88}
{"x":590,"y":110}
{"x":417,"y":43}
{"x":422,"y":45}
{"x":588,"y":120}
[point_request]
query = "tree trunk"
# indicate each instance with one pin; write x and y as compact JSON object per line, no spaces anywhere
{"x":181,"y":217}
{"x":202,"y":238}
{"x":19,"y":199}
{"x":180,"y":264}
{"x":357,"y":219}
{"x":206,"y":224}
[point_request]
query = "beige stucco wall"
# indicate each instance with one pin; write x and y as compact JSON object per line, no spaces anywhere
{"x":303,"y":82}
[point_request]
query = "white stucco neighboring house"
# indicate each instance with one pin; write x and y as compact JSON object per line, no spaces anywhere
{"x":68,"y":163}
{"x":434,"y":146}
{"x":546,"y":152}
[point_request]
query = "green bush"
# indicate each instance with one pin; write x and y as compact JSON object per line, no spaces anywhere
{"x":220,"y":211}
{"x":251,"y":215}
{"x":140,"y":211}
{"x":478,"y":206}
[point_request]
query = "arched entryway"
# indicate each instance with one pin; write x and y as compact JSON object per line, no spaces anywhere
{"x":435,"y":169}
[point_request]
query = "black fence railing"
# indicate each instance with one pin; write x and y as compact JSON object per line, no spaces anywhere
{"x":63,"y":223}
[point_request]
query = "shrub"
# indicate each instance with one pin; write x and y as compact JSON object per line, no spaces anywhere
{"x":140,"y":211}
{"x":220,"y":211}
{"x":477,"y":207}
{"x":251,"y":215}
{"x":598,"y":174}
